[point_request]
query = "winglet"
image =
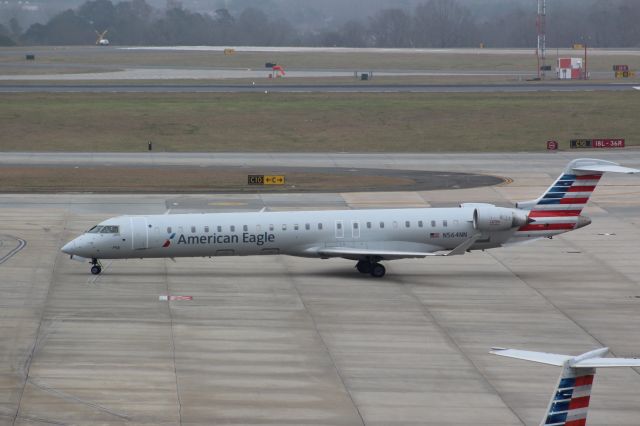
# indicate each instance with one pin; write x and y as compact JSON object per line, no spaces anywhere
{"x":464,"y":246}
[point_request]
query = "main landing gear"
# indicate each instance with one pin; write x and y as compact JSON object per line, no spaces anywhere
{"x":96,"y":268}
{"x":371,"y":267}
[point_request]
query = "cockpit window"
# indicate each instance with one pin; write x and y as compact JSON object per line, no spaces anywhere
{"x":110,"y":230}
{"x":95,"y":230}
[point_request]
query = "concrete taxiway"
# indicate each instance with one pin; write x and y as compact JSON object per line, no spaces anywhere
{"x":278,"y":340}
{"x":314,"y":88}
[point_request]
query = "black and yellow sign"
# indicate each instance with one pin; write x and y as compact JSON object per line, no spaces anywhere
{"x":265,"y":180}
{"x":274,"y":180}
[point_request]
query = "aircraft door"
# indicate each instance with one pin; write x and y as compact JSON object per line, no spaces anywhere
{"x":355,"y":229}
{"x":339,"y":229}
{"x":139,"y":233}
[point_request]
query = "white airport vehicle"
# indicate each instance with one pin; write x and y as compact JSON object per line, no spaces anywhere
{"x":101,"y":40}
{"x":365,"y":236}
{"x":570,"y":400}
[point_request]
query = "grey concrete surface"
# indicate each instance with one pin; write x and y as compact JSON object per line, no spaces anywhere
{"x":19,"y":87}
{"x":173,"y":73}
{"x":278,"y":340}
{"x":491,"y":163}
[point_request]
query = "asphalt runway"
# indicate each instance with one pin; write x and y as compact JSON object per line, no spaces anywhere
{"x":226,"y":179}
{"x":279,"y":340}
{"x":316,"y":88}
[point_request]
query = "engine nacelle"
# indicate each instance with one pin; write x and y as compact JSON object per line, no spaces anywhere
{"x":487,"y":217}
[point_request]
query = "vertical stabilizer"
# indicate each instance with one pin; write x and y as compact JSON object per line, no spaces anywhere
{"x":558,"y":209}
{"x":570,"y":400}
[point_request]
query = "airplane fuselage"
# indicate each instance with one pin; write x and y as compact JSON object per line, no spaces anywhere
{"x":298,"y":233}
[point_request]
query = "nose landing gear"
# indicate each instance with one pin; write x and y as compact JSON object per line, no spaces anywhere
{"x":371,"y":267}
{"x":96,"y":268}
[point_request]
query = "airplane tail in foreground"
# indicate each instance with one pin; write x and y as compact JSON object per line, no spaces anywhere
{"x":570,"y":400}
{"x":559,"y":209}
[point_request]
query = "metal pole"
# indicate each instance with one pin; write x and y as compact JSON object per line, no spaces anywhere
{"x":586,"y":69}
{"x":541,"y":51}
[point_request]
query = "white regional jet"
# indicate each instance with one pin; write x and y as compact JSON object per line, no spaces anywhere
{"x":570,"y":400}
{"x":366,"y":236}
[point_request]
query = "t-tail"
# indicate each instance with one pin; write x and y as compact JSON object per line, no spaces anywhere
{"x":559,"y":209}
{"x":570,"y":400}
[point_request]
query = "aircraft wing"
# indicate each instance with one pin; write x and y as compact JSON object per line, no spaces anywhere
{"x":358,"y":252}
{"x":350,"y":252}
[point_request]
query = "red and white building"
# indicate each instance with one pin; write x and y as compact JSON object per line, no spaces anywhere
{"x":570,"y":69}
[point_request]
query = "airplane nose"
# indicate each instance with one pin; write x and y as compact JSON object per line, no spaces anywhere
{"x":69,"y":248}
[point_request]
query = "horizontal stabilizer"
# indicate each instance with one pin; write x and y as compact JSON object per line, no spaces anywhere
{"x":592,"y":359}
{"x":592,"y":165}
{"x":608,"y":362}
{"x":605,"y":168}
{"x":541,"y":357}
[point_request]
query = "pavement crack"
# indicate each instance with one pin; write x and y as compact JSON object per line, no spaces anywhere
{"x":68,"y":397}
{"x":32,"y":351}
{"x":173,"y":343}
{"x":400,"y":280}
{"x":324,"y":344}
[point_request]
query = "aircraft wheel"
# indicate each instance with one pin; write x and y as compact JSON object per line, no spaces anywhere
{"x":96,"y":269}
{"x":363,"y":267}
{"x":377,"y":270}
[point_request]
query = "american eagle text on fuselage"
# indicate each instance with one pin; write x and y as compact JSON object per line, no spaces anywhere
{"x":247,"y":238}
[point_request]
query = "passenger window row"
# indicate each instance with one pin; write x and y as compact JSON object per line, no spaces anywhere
{"x":232,"y":228}
{"x":296,"y":227}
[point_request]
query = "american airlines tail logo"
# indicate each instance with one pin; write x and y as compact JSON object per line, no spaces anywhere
{"x":167,"y":243}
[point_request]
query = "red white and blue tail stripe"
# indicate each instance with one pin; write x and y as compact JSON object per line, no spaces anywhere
{"x":559,"y":209}
{"x":570,"y":401}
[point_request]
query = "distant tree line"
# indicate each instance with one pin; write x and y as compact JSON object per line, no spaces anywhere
{"x":434,"y":23}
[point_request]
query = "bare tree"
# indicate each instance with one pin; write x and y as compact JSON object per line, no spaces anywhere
{"x":391,"y":28}
{"x":443,"y":23}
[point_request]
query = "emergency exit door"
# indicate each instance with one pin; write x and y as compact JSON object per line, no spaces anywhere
{"x":139,"y":233}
